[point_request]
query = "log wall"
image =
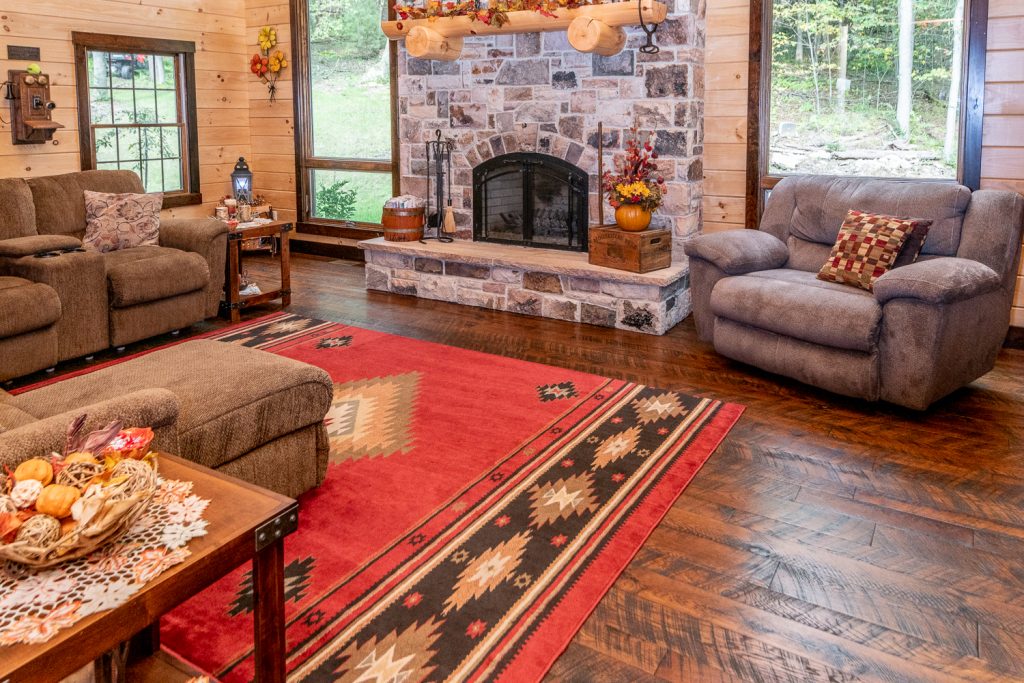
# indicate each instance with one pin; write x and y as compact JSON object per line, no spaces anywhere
{"x":222,"y":80}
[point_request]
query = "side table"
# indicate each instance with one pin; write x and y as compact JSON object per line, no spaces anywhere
{"x":233,"y":301}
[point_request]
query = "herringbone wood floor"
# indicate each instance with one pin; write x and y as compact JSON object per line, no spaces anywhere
{"x":826,"y":540}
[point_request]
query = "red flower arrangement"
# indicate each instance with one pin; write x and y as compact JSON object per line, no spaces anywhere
{"x":634,"y":180}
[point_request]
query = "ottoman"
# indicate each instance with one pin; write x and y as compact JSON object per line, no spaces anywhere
{"x":28,"y":335}
{"x":245,"y":412}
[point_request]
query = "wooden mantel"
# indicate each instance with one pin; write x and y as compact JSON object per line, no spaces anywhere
{"x":592,"y":28}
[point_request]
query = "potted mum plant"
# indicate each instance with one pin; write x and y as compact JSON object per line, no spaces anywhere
{"x":634,"y":191}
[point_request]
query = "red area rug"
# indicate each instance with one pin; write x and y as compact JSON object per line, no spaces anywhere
{"x":476,"y":510}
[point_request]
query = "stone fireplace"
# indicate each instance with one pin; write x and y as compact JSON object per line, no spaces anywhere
{"x":532,"y":200}
{"x":515,"y":97}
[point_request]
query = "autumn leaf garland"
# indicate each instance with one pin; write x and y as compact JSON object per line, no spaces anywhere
{"x":496,"y":13}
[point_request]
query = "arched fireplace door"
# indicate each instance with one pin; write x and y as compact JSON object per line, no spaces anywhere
{"x":531,"y":199}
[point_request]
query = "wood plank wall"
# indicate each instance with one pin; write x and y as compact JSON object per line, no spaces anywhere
{"x":1002,"y":160}
{"x":725,"y":114}
{"x":221,"y":78}
{"x":725,"y":110}
{"x":272,"y":129}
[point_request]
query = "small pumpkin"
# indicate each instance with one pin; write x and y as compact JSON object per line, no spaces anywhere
{"x":81,"y":457}
{"x":35,"y":468}
{"x":56,"y":500}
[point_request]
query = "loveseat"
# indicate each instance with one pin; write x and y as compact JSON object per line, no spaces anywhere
{"x":926,"y":329}
{"x":105,"y":299}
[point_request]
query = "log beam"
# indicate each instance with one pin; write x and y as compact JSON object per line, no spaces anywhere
{"x":426,"y":43}
{"x":613,"y":14}
{"x":588,"y":34}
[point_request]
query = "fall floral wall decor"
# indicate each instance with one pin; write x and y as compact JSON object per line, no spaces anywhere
{"x":268,"y":65}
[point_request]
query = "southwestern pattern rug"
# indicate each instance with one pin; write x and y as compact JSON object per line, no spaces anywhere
{"x":475,"y":511}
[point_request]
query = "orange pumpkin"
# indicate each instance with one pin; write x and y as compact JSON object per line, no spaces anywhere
{"x":81,"y":457}
{"x":56,"y":500}
{"x":35,"y":468}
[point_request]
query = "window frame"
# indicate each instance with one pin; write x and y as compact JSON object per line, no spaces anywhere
{"x":306,"y":162}
{"x":184,"y":54}
{"x":972,"y":105}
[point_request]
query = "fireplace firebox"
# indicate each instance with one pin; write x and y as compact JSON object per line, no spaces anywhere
{"x":532,"y":200}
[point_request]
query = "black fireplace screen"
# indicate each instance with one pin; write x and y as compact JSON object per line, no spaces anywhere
{"x":532,"y":200}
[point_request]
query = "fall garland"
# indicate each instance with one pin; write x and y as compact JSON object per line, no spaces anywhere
{"x":495,"y":13}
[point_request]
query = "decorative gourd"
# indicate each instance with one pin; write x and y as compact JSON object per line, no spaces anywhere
{"x":81,"y":457}
{"x":56,"y":500}
{"x":34,"y":468}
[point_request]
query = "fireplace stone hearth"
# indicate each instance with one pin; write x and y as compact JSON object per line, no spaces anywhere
{"x":530,"y":281}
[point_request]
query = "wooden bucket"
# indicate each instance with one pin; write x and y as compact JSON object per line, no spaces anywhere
{"x":403,"y":225}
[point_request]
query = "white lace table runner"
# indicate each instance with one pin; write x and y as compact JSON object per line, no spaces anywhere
{"x":36,"y":604}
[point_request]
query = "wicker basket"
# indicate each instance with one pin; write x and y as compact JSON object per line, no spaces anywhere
{"x":121,"y":505}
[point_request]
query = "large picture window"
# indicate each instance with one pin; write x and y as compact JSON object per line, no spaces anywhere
{"x":870,"y":88}
{"x":345,"y":111}
{"x":136,"y":112}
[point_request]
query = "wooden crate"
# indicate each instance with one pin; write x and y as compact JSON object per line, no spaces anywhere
{"x":637,"y":252}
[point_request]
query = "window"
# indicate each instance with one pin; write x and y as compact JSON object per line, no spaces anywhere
{"x":346,"y":115}
{"x":873,"y":88}
{"x":136,"y":111}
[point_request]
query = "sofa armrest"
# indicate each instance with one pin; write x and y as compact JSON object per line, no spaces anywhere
{"x":156,"y":408}
{"x":207,"y":237}
{"x":34,"y":244}
{"x":190,"y":234}
{"x":938,"y":281}
{"x":736,"y":252}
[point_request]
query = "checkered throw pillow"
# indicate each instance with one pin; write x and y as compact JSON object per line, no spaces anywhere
{"x":868,"y":246}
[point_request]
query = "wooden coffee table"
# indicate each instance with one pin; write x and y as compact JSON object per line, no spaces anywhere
{"x":245,"y":523}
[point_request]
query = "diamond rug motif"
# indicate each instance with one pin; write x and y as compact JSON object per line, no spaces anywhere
{"x":372,"y":417}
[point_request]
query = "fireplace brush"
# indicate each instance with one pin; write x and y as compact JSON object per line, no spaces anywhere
{"x":439,"y":176}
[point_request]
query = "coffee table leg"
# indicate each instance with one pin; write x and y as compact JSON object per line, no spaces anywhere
{"x":268,"y":586}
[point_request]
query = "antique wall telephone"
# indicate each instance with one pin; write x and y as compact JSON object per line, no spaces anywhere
{"x":31,"y":107}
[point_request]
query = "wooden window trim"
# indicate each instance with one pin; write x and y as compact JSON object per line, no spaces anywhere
{"x":306,"y":162}
{"x":184,"y":51}
{"x":758,"y":103}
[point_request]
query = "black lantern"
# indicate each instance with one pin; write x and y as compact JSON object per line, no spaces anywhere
{"x":241,"y":181}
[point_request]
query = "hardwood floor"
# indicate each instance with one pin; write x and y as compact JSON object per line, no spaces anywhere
{"x":826,"y":540}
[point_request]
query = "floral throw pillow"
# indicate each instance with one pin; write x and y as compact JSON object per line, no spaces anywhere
{"x":121,"y":221}
{"x":869,"y":245}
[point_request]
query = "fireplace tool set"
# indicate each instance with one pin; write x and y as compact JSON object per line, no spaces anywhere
{"x":441,"y":220}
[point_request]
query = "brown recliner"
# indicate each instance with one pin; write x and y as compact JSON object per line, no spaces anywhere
{"x":28,"y":327}
{"x":115,"y":298}
{"x":925,"y":330}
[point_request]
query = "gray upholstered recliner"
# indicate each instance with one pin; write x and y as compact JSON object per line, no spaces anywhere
{"x":927,"y":328}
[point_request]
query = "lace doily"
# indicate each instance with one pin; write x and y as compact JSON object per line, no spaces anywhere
{"x":36,"y":604}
